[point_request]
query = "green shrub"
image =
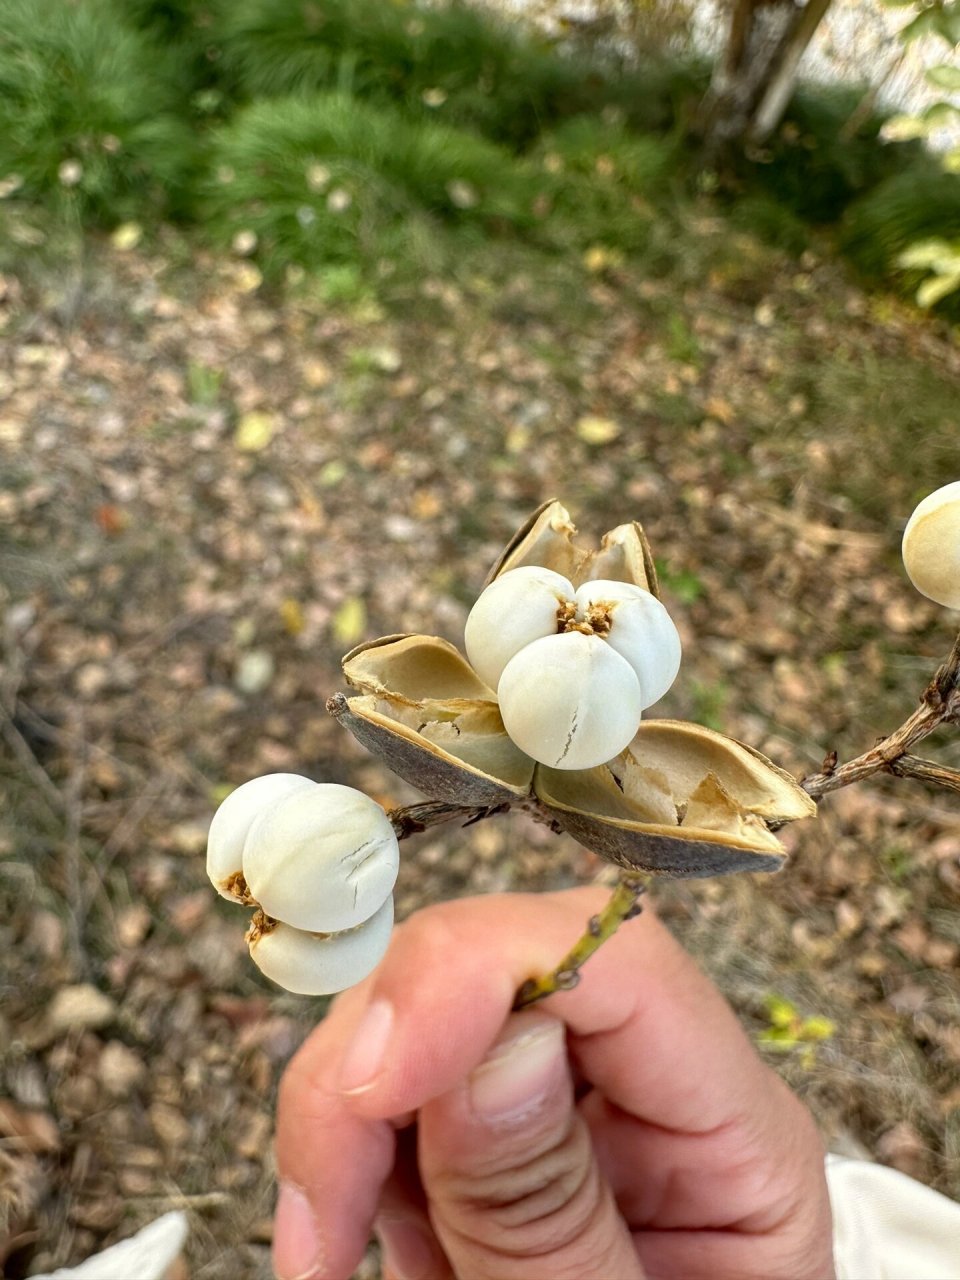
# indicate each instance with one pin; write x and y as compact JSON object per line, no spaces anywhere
{"x":606,"y":182}
{"x":903,"y":210}
{"x":814,"y":169}
{"x":327,"y":178}
{"x":188,"y":31}
{"x":771,"y":222}
{"x":453,"y":62}
{"x":88,"y":111}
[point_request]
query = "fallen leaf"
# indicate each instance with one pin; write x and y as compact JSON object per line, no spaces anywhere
{"x":349,"y":622}
{"x":594,"y":430}
{"x":255,"y":431}
{"x":291,"y":615}
{"x":127,"y":236}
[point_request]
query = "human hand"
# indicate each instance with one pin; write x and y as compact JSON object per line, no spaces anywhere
{"x":626,"y":1129}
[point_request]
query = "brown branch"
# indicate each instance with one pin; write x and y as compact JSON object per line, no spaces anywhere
{"x":939,"y":704}
{"x":926,"y":771}
{"x":413,"y":818}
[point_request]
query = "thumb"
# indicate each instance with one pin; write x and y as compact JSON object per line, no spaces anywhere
{"x":509,"y":1170}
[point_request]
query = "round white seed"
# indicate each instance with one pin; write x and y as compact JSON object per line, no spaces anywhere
{"x":517,"y":608}
{"x":570,"y":701}
{"x":931,"y":546}
{"x":233,"y":820}
{"x":322,"y":858}
{"x":313,"y":964}
{"x":641,"y":630}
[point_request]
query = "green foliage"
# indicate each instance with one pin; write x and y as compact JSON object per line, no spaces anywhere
{"x":940,"y":261}
{"x":453,"y":61}
{"x":901,"y":211}
{"x":88,"y":111}
{"x":814,"y":169}
{"x":605,"y":182}
{"x":789,"y":1030}
{"x":326,"y":178}
{"x":771,"y":221}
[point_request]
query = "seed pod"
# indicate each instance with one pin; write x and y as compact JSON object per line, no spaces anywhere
{"x":570,"y":701}
{"x":931,"y":546}
{"x":640,"y":629}
{"x":323,"y":858}
{"x":233,"y":820}
{"x":317,"y":964}
{"x":517,"y":608}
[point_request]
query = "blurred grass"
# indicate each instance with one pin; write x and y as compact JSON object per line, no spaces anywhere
{"x":90,"y":118}
{"x":437,"y":125}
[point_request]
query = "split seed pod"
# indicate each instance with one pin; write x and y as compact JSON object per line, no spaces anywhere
{"x":323,"y":858}
{"x":931,"y":546}
{"x":317,"y":964}
{"x":570,"y":701}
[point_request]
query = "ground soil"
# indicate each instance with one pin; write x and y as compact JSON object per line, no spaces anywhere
{"x":180,"y":578}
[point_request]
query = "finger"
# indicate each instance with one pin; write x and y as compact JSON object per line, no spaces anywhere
{"x":719,"y":1179}
{"x":514,"y":1188}
{"x":408,"y":1244}
{"x":331,"y":1163}
{"x":645,"y":1022}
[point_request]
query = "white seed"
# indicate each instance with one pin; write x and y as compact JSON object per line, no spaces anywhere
{"x":517,"y":608}
{"x":322,"y":858}
{"x":931,"y":546}
{"x":641,"y":631}
{"x":321,"y":964}
{"x":570,"y":701}
{"x":232,"y":821}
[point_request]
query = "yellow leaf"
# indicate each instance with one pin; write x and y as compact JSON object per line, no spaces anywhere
{"x":595,"y":430}
{"x":518,"y":438}
{"x":349,"y":622}
{"x":220,"y":792}
{"x":291,"y":615}
{"x":254,"y":432}
{"x":599,"y":257}
{"x":246,"y":277}
{"x":127,"y":236}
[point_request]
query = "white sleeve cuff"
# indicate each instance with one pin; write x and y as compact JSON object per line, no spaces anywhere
{"x":888,"y":1227}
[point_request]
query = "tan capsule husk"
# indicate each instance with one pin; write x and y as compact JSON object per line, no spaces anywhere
{"x":681,"y":800}
{"x":546,"y":539}
{"x":424,"y":711}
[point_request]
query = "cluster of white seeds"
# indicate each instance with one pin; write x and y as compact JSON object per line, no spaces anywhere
{"x":573,"y":669}
{"x":319,"y":862}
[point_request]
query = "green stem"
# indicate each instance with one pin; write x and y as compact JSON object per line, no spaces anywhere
{"x":624,"y":904}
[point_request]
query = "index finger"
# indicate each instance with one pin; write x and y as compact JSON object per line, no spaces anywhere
{"x":645,"y":1025}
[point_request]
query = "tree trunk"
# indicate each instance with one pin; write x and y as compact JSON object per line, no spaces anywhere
{"x":755,"y":76}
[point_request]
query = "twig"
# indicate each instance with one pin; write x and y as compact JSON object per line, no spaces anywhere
{"x":414,"y":818}
{"x":925,"y":771}
{"x":939,"y":704}
{"x":624,"y":904}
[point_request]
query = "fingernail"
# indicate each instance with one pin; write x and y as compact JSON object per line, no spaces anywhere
{"x":366,"y":1051}
{"x":297,"y":1249}
{"x":518,"y":1075}
{"x":407,"y":1253}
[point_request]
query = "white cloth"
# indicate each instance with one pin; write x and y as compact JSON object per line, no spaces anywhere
{"x":146,"y":1256}
{"x":888,"y":1227}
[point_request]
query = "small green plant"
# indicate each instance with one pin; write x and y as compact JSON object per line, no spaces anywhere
{"x":789,"y":1030}
{"x":203,"y":384}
